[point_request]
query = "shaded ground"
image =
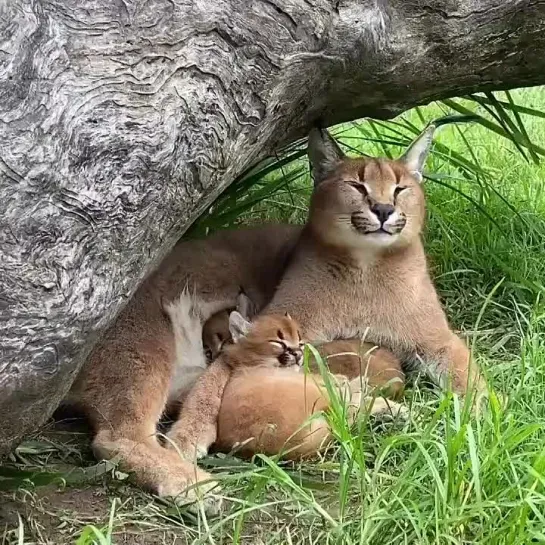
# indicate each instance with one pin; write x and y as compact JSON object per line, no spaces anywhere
{"x":80,"y":494}
{"x":52,"y":492}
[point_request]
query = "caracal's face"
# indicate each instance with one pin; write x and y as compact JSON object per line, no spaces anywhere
{"x":272,"y":341}
{"x":216,"y":334}
{"x":368,"y":204}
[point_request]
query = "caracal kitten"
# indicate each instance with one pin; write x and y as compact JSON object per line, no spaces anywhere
{"x":351,"y":358}
{"x":255,"y":395}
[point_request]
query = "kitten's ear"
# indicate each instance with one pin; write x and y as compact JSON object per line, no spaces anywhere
{"x":417,"y":153}
{"x":245,"y":306}
{"x":324,"y":154}
{"x":238,"y":326}
{"x":287,"y":315}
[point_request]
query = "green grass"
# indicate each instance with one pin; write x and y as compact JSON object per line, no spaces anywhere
{"x":445,"y":478}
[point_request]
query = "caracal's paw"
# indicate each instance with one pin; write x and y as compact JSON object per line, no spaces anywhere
{"x":379,"y":409}
{"x":194,"y":489}
{"x":386,"y":410}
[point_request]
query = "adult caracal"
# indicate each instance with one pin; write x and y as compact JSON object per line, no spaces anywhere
{"x":360,"y":249}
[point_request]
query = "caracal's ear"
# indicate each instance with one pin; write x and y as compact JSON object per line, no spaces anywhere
{"x":324,"y":154}
{"x":245,"y":306}
{"x":417,"y":153}
{"x":287,"y":315}
{"x":238,"y":326}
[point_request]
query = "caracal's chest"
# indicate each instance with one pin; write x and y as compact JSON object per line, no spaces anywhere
{"x":365,"y":305}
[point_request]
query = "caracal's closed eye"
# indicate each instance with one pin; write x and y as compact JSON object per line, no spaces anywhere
{"x":398,"y":189}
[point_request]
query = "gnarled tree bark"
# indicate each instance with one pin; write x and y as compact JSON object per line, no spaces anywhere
{"x":121,"y":120}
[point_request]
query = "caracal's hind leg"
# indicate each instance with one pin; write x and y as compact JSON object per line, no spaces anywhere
{"x":123,"y":389}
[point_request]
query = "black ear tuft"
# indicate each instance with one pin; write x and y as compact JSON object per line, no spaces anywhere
{"x":416,"y":154}
{"x":324,"y":154}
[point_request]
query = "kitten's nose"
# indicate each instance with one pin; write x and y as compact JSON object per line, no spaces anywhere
{"x":382,"y":211}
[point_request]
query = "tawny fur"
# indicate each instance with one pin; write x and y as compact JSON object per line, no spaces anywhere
{"x":354,"y":358}
{"x":341,"y":282}
{"x":215,"y":331}
{"x":255,"y":396}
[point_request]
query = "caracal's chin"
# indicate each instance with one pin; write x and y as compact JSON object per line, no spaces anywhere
{"x":380,"y":239}
{"x":358,"y":240}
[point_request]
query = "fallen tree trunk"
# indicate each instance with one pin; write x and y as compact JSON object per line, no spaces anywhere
{"x":121,"y":121}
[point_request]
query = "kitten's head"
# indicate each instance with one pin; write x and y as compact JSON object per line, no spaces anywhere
{"x":270,"y":341}
{"x":367,"y":203}
{"x":216,"y":332}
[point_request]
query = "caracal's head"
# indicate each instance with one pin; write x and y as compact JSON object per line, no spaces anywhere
{"x":268,"y":341}
{"x":216,"y":331}
{"x":367,"y":203}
